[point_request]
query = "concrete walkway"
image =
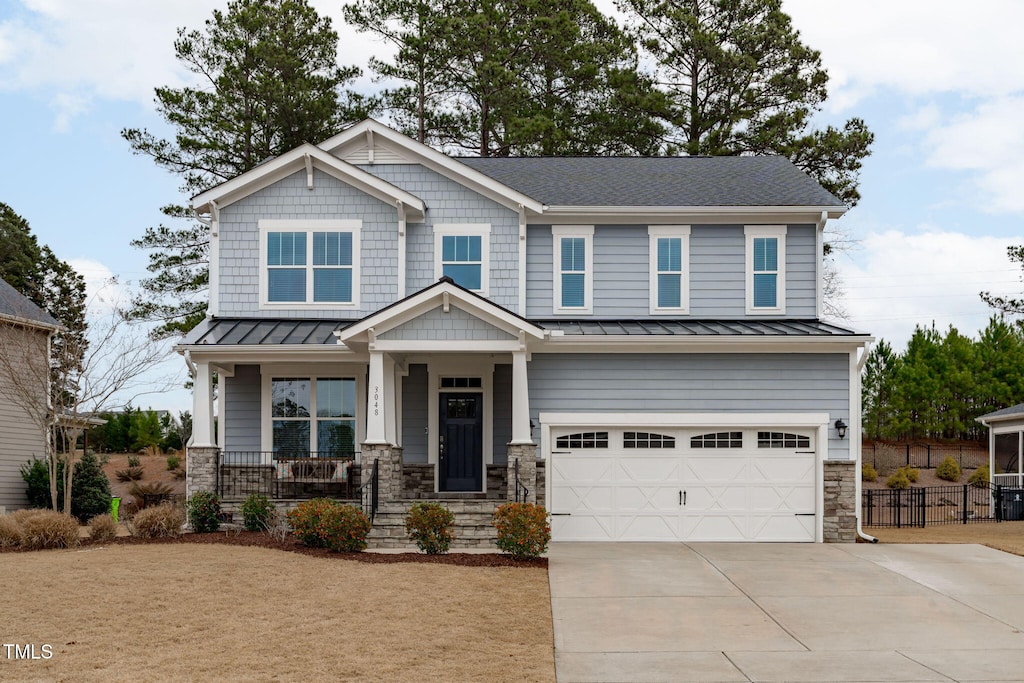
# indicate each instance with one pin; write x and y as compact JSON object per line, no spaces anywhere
{"x":786,"y":612}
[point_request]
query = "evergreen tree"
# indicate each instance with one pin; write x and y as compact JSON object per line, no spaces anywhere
{"x":268,"y":82}
{"x":877,"y":389}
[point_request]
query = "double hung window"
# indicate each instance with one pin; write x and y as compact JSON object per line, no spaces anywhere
{"x":573,"y":268}
{"x":462,"y":253}
{"x":313,"y":415}
{"x":766,"y":269}
{"x":670,"y":261}
{"x":309,"y":263}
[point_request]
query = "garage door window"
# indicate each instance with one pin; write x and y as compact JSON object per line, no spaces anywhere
{"x":647,"y":440}
{"x":583,"y":440}
{"x":718,"y":440}
{"x":782,"y":440}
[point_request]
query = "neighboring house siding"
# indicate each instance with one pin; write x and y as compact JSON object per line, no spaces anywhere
{"x":694,"y":383}
{"x":502,"y":433}
{"x":290,"y":198}
{"x":414,"y":415}
{"x":449,"y":202}
{"x":21,"y":438}
{"x":438,"y":325}
{"x":242,"y":409}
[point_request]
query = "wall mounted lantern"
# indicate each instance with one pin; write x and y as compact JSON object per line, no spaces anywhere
{"x":841,"y":428}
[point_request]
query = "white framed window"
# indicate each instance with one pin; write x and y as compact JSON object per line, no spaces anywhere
{"x":313,"y":415}
{"x":309,"y":263}
{"x":462,"y":252}
{"x":573,"y":268}
{"x":670,"y":269}
{"x":766,"y":268}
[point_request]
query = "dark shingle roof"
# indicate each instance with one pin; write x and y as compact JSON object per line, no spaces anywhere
{"x":657,"y":181}
{"x":715,"y":328}
{"x":1012,"y":411}
{"x":14,"y":304}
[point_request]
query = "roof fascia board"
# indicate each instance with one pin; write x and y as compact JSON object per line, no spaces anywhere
{"x":288,"y":163}
{"x":696,"y":344}
{"x":28,"y":322}
{"x":621,"y":419}
{"x":255,"y":353}
{"x":693,"y":214}
{"x":999,"y":418}
{"x":437,"y":161}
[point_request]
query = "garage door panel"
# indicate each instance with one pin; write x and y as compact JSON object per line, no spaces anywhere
{"x":716,"y":527}
{"x":796,"y":468}
{"x":636,"y":498}
{"x":777,"y":497}
{"x":641,"y":468}
{"x":584,"y":469}
{"x":783,"y":528}
{"x":583,"y":527}
{"x":724,"y":467}
{"x":647,"y":528}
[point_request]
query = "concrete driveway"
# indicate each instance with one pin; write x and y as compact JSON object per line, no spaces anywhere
{"x":786,"y":612}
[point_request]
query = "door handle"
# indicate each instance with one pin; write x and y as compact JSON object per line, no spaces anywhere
{"x":682,"y":498}
{"x":440,"y":447}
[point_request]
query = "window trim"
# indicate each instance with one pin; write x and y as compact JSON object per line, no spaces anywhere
{"x":778,"y":232}
{"x":314,"y":418}
{"x":587,"y":233}
{"x":481,"y":230}
{"x":266,"y":226}
{"x":682,"y":232}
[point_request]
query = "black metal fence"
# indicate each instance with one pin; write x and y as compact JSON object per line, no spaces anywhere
{"x":370,"y":491}
{"x":889,"y":455}
{"x":933,"y":505}
{"x":521,"y":490}
{"x":276,"y":475}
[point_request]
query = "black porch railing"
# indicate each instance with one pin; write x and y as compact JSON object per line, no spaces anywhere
{"x":521,"y":490}
{"x":933,"y":505}
{"x":368,"y":493}
{"x":291,"y":475}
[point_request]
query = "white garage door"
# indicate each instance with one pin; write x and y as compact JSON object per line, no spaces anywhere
{"x":646,"y":484}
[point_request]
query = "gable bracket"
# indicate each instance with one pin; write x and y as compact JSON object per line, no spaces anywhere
{"x":446,"y":304}
{"x":369,"y":145}
{"x":309,"y":171}
{"x":371,"y":334}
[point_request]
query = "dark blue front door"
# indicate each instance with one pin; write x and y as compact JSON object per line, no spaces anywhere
{"x":461,"y":451}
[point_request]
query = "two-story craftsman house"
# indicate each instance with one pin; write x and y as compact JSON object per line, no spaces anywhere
{"x":636,"y":342}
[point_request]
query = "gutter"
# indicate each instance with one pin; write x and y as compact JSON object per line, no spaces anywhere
{"x":859,"y":484}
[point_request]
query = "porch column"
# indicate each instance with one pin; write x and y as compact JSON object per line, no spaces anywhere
{"x":520,"y":401}
{"x":376,"y":400}
{"x":202,"y":407}
{"x":390,"y":422}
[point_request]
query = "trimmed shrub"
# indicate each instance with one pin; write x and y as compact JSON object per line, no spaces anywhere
{"x":90,"y":489}
{"x":130,"y":474}
{"x":11,"y":535}
{"x":204,"y":511}
{"x":431,"y":527}
{"x":102,"y":528}
{"x":324,"y":523}
{"x":173,"y":462}
{"x":913,"y":474}
{"x":898,"y":480}
{"x":523,"y":530}
{"x":948,"y":470}
{"x":258,"y":514}
{"x":868,"y":473}
{"x":980,"y":476}
{"x":134,"y":461}
{"x":158,"y":521}
{"x":37,"y":482}
{"x":48,"y":529}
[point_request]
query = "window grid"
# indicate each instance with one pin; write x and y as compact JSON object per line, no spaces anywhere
{"x":461,"y":383}
{"x":583,"y":440}
{"x":573,"y":272}
{"x":670,"y":272}
{"x":717,"y":440}
{"x":782,"y":440}
{"x":766,"y":272}
{"x":462,"y":260}
{"x":647,"y":440}
{"x":305,"y":266}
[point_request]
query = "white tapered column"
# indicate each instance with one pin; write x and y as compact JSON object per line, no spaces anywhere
{"x":520,"y":401}
{"x":202,"y":407}
{"x":390,"y":425}
{"x":376,"y":399}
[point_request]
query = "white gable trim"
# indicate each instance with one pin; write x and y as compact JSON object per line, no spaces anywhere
{"x":385,"y":137}
{"x":307,"y":157}
{"x":442,"y":294}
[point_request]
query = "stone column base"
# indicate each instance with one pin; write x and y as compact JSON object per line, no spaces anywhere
{"x":389,"y":470}
{"x":525,"y":456}
{"x":201,"y":469}
{"x":839,"y":518}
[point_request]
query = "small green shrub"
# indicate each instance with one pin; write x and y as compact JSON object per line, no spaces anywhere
{"x":523,"y":529}
{"x":323,"y":523}
{"x":913,"y":474}
{"x":134,"y":461}
{"x":44,"y":529}
{"x":431,"y":527}
{"x":948,"y":470}
{"x":130,"y":474}
{"x":158,"y":521}
{"x":11,"y":535}
{"x":980,"y":476}
{"x":868,"y":472}
{"x":90,"y":489}
{"x":204,"y":511}
{"x":102,"y":528}
{"x":898,"y":480}
{"x":173,"y":462}
{"x":37,"y":482}
{"x":258,"y":514}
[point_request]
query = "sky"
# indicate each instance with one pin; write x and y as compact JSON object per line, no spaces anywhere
{"x":941,"y":87}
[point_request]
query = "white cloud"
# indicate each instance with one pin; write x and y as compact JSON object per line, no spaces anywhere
{"x":103,"y":291}
{"x":900,"y":280}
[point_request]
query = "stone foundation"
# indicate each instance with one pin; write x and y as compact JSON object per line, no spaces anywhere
{"x":417,"y":480}
{"x":201,"y":469}
{"x":541,"y":481}
{"x":473,"y":527}
{"x":389,"y":470}
{"x":525,"y":456}
{"x":840,"y":513}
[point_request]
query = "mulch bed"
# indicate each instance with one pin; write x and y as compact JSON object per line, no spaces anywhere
{"x":262,"y":540}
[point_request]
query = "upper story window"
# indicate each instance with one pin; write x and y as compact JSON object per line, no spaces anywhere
{"x":670,"y":262}
{"x":766,"y":268}
{"x":462,"y":252}
{"x":309,"y":263}
{"x":573,"y":268}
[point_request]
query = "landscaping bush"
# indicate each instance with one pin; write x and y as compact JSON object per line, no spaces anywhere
{"x":10,"y":532}
{"x":134,"y":461}
{"x":102,"y":528}
{"x":173,"y":462}
{"x":37,"y":482}
{"x":44,"y":529}
{"x":868,"y":473}
{"x":323,"y":523}
{"x":90,"y":489}
{"x":913,"y":474}
{"x":258,"y":514}
{"x":523,"y":529}
{"x":139,"y":491}
{"x":898,"y":480}
{"x":130,"y":474}
{"x":204,"y":511}
{"x":159,"y":521}
{"x":980,"y":476}
{"x":948,"y":470}
{"x":431,"y":527}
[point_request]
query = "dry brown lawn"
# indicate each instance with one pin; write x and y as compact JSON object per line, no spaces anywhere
{"x":1007,"y":536}
{"x":214,"y":612}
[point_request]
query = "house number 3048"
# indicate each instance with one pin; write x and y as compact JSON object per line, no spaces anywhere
{"x":376,"y":400}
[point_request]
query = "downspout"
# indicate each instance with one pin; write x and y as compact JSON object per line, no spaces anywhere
{"x":819,"y":263}
{"x":858,"y":483}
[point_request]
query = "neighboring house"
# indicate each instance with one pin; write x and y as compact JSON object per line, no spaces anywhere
{"x":635,"y":342}
{"x":25,"y":332}
{"x":1006,"y":445}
